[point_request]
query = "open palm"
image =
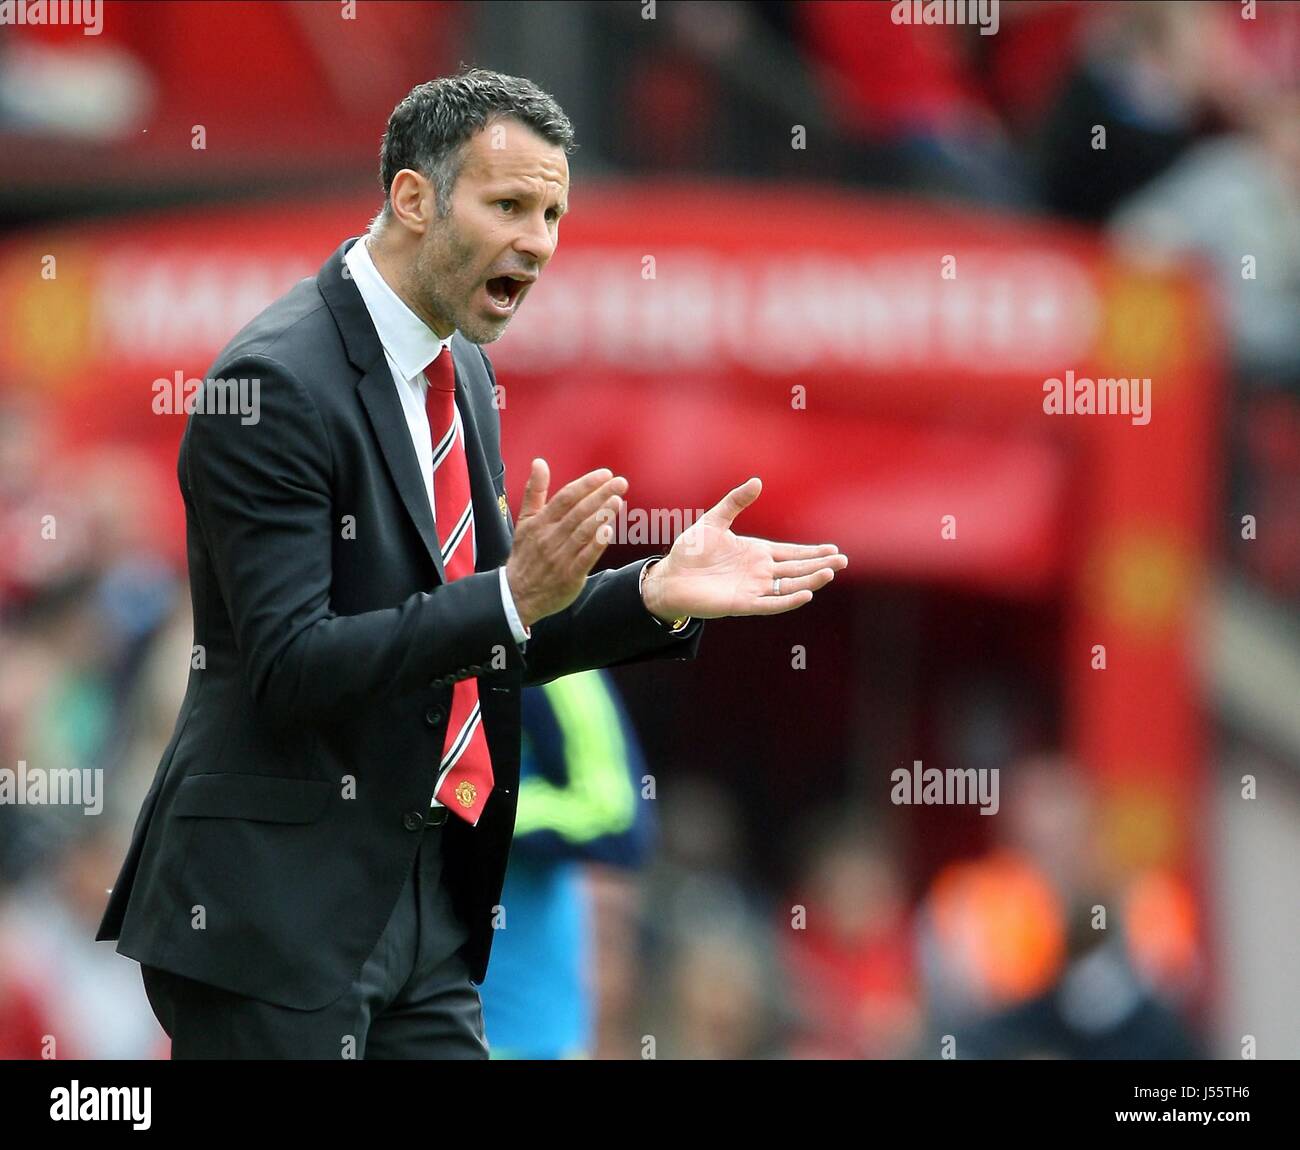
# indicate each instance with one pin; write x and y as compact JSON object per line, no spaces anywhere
{"x":711,"y":571}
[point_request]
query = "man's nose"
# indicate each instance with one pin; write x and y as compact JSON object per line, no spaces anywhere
{"x":537,"y":241}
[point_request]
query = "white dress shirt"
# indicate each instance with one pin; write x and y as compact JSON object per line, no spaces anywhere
{"x":410,"y":345}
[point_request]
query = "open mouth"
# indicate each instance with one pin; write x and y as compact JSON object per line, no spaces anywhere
{"x":503,"y":293}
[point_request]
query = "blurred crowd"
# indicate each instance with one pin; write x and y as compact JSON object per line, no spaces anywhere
{"x":996,"y":957}
{"x":849,"y":955}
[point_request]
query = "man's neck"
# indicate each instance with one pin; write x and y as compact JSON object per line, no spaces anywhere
{"x":390,"y":267}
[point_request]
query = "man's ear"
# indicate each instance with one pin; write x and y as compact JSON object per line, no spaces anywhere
{"x":411,"y":201}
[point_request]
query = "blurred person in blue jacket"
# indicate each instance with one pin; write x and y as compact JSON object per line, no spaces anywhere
{"x":581,"y":771}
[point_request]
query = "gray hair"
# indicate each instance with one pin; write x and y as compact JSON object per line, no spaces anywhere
{"x":430,"y":127}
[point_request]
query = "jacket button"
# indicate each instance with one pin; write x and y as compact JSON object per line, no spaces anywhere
{"x":413,"y":820}
{"x":433,"y":717}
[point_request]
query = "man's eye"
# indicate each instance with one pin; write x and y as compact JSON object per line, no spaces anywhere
{"x":509,"y":203}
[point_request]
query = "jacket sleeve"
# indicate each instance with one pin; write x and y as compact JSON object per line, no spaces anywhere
{"x":607,"y":625}
{"x":261,"y":494}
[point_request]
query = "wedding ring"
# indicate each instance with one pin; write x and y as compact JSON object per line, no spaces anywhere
{"x":776,"y":586}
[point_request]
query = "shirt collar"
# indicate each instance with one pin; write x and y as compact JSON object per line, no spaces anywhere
{"x":409,"y":341}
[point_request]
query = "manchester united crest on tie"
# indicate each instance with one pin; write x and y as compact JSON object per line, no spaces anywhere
{"x":464,"y":779}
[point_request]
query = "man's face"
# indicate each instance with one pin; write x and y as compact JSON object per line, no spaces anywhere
{"x":475,"y":266}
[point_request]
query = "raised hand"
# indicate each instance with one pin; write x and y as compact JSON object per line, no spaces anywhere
{"x":711,"y":572}
{"x":556,"y":544}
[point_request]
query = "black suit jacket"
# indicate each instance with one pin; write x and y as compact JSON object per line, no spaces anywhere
{"x":288,"y":806}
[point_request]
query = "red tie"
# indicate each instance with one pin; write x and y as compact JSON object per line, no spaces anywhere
{"x":465,"y":772}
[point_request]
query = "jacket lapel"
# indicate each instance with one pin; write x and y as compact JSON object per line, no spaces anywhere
{"x":379,"y":396}
{"x":384,"y":410}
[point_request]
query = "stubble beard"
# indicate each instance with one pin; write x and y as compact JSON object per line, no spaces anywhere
{"x":441,"y":258}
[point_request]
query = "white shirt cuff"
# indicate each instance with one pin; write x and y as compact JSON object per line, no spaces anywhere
{"x":521,"y":633}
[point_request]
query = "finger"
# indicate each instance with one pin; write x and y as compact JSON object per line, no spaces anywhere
{"x":539,"y":478}
{"x":577,"y":490}
{"x":607,"y":495}
{"x":793,"y":568}
{"x":592,"y":550}
{"x":782,"y":551}
{"x":778,"y":604}
{"x":723,"y":513}
{"x":602,"y":517}
{"x":813,"y":582}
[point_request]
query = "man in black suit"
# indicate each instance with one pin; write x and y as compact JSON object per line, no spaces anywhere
{"x":317,"y":865}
